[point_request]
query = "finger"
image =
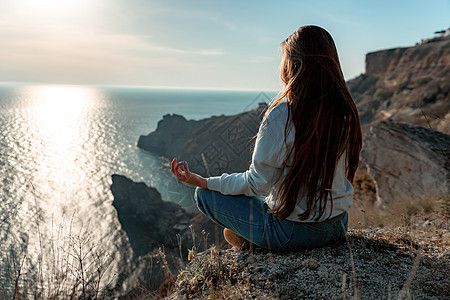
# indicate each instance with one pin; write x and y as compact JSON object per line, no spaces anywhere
{"x":178,"y":168}
{"x":186,"y":168}
{"x":172,"y":165}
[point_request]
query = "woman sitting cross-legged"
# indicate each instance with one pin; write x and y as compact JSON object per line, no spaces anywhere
{"x":297,"y":190}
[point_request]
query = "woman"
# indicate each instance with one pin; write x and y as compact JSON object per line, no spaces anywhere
{"x":304,"y":160}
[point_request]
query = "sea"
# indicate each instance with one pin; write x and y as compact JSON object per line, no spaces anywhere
{"x":59,"y":146}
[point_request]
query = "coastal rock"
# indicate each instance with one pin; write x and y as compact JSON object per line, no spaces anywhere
{"x":406,"y":161}
{"x":406,"y":85}
{"x":151,"y":222}
{"x":148,"y":220}
{"x":160,"y":234}
{"x":172,"y":133}
{"x":212,"y":146}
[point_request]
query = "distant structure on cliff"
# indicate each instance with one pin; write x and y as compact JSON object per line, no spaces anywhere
{"x":441,"y":36}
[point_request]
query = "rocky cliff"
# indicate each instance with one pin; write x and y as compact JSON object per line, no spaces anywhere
{"x":404,"y":161}
{"x":406,"y":85}
{"x":148,"y":220}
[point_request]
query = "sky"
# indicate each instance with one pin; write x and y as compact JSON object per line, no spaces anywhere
{"x":194,"y":44}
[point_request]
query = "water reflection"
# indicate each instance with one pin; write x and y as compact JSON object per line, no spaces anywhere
{"x":60,"y":117}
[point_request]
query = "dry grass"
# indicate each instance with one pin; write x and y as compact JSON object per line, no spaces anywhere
{"x":71,"y":268}
{"x":67,"y":265}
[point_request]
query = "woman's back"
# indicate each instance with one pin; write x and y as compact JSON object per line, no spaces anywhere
{"x":326,"y":122}
{"x":305,"y":157}
{"x":342,"y":190}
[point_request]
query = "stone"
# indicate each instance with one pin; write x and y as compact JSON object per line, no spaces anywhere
{"x":311,"y":264}
{"x":406,"y":162}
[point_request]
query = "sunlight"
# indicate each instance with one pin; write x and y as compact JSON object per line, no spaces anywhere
{"x":60,"y":112}
{"x":60,"y":105}
{"x":61,"y":119}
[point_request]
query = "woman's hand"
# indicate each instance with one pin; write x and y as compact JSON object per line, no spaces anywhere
{"x":185,"y":175}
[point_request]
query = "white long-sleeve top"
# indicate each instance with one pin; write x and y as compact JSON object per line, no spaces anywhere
{"x":270,"y":162}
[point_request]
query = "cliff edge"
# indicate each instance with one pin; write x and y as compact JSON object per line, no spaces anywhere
{"x":158,"y":231}
{"x":371,"y":264}
{"x":408,"y":84}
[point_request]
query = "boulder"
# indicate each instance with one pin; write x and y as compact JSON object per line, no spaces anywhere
{"x":406,"y":161}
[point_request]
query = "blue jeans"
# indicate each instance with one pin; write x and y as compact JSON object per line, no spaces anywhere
{"x":250,"y":218}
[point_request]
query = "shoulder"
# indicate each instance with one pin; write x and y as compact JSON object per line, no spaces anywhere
{"x":275,"y":122}
{"x":278,"y":116}
{"x":279,"y":112}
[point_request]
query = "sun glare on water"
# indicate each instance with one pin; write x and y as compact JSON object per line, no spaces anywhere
{"x":58,"y":108}
{"x":61,"y":117}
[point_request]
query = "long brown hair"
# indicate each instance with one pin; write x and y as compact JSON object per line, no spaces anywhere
{"x":325,"y":119}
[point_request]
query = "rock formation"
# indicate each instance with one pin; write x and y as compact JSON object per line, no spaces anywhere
{"x":152,"y":223}
{"x":406,"y":161}
{"x":148,"y":220}
{"x":406,"y":85}
{"x":211,"y":146}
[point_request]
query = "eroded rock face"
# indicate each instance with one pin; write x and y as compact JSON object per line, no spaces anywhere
{"x":406,"y":161}
{"x":406,"y":85}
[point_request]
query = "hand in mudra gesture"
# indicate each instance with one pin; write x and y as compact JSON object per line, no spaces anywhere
{"x":181,"y":171}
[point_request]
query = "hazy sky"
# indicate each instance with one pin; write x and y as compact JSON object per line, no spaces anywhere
{"x":210,"y":44}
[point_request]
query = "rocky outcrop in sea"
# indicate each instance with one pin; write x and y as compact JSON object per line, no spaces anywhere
{"x":159,"y":232}
{"x":212,"y":146}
